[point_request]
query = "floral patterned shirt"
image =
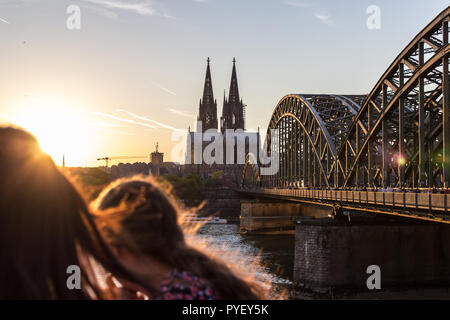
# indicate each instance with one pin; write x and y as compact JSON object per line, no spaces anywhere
{"x":182,"y":285}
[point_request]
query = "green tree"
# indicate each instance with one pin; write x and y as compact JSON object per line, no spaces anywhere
{"x":188,"y":188}
{"x":91,"y":181}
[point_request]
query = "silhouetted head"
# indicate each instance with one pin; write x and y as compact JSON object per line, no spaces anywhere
{"x":137,"y":215}
{"x":145,"y":212}
{"x":45,"y":227}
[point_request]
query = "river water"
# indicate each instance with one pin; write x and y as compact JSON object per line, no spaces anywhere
{"x":268,"y":258}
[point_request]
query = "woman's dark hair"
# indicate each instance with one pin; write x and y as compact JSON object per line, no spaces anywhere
{"x":45,"y":227}
{"x":138,"y":215}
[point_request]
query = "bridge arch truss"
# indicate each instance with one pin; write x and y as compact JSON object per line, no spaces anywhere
{"x":310,"y":130}
{"x":398,"y":135}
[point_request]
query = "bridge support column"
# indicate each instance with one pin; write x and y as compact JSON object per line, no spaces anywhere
{"x":332,"y":258}
{"x":446,"y":113}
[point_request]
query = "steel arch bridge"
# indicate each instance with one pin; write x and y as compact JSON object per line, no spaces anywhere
{"x":396,"y":136}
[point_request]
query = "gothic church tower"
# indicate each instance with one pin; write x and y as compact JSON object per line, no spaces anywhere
{"x":233,"y":112}
{"x":208,"y":106}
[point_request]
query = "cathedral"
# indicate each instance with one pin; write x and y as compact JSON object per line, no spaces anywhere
{"x":233,"y":118}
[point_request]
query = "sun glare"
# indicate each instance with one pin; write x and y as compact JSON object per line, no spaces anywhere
{"x":59,"y":127}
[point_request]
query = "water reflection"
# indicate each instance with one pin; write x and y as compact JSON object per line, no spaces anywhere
{"x":271,"y":256}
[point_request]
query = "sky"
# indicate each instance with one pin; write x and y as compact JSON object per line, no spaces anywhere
{"x":97,"y":78}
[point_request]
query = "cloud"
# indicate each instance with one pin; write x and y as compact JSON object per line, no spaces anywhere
{"x":164,"y":89}
{"x":144,"y":7}
{"x":181,"y":113}
{"x":159,"y":124}
{"x":324,"y":18}
{"x":298,"y":4}
{"x":106,"y":13}
{"x":4,"y":21}
{"x":130,"y":121}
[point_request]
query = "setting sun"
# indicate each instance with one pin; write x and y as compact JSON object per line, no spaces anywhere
{"x":58,"y":125}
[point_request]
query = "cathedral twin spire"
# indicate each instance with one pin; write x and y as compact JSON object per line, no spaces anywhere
{"x":208,"y":105}
{"x":233,"y":108}
{"x":234,"y":90}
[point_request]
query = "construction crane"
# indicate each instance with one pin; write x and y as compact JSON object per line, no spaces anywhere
{"x":107,"y":159}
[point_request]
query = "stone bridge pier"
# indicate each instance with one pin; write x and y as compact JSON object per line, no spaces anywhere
{"x":332,"y":258}
{"x":336,"y":251}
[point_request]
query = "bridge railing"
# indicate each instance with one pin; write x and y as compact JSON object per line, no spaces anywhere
{"x":406,"y":200}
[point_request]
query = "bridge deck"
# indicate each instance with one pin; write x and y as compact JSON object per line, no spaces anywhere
{"x":427,"y":206}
